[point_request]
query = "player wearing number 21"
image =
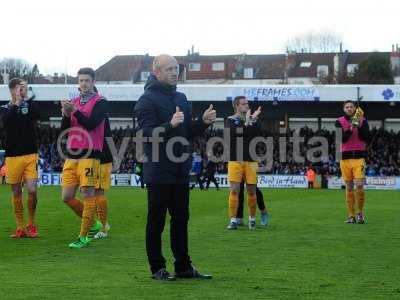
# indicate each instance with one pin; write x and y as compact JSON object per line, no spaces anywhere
{"x":84,"y":117}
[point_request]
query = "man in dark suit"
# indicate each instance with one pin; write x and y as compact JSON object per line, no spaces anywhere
{"x":165,"y":116}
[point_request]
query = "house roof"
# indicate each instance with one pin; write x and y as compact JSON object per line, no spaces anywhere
{"x":129,"y":67}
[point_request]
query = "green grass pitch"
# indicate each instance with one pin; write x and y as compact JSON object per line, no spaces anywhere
{"x":306,"y":253}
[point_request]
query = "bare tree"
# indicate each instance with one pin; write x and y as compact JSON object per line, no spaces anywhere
{"x":16,"y":67}
{"x":314,"y":42}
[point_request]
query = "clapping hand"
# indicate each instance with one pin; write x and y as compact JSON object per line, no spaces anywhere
{"x":252,"y":118}
{"x":67,"y":108}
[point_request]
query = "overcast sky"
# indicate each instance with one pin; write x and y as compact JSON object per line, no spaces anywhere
{"x":65,"y":35}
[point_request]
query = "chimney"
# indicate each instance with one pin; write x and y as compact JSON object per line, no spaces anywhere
{"x":192,"y":49}
{"x":290,"y":61}
{"x":395,"y":58}
{"x":341,"y":47}
{"x":336,"y":66}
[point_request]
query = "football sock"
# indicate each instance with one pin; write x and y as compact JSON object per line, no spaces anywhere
{"x":88,"y":215}
{"x":360,"y":195}
{"x":102,"y":209}
{"x":252,"y":204}
{"x":18,"y":211}
{"x":350,"y":203}
{"x":233,"y":204}
{"x":32,"y":202}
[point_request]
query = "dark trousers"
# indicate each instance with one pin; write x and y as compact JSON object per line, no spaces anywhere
{"x":141,"y":179}
{"x":211,"y":178}
{"x":199,"y":181}
{"x":175,"y":199}
{"x":311,"y":184}
{"x":260,"y":201}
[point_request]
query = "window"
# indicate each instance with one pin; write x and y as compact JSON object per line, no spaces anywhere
{"x":248,"y":73}
{"x":322,"y":71}
{"x":351,"y":68}
{"x":193,"y":67}
{"x":305,"y":64}
{"x":144,"y":75}
{"x":220,"y":66}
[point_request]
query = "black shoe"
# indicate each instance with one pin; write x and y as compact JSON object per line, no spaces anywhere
{"x":351,"y":220}
{"x":163,"y":275}
{"x":192,"y":273}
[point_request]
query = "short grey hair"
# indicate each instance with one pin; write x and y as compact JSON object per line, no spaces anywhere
{"x":158,"y":59}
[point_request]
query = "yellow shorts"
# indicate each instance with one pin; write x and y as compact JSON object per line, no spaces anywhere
{"x":20,"y":168}
{"x":239,"y":171}
{"x":352,"y":169}
{"x":81,"y":172}
{"x":105,"y":176}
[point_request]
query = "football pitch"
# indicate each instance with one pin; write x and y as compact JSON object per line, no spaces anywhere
{"x":307,"y":252}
